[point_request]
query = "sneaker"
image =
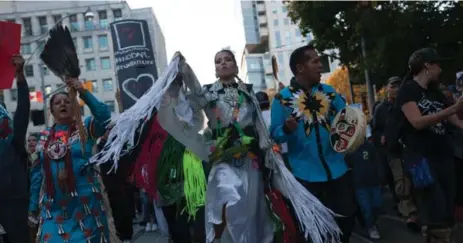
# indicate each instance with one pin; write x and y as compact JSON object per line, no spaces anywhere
{"x":148,"y":227}
{"x":373,"y":233}
{"x":154,"y":227}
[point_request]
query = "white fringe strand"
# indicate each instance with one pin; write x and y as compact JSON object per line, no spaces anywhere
{"x":122,"y":136}
{"x":316,"y":220}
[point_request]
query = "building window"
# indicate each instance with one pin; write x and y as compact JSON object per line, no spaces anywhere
{"x":45,"y":71}
{"x":56,"y":18}
{"x":75,"y":43}
{"x":43,"y":24}
{"x":286,"y":21}
{"x":89,"y":24}
{"x":27,"y":27}
{"x":40,"y":46}
{"x":14,"y":94}
{"x":88,"y":42}
{"x":288,"y":38}
{"x":103,"y":42}
{"x":275,"y":22}
{"x":95,"y":86}
{"x":26,"y":49}
{"x":103,"y":17}
{"x":90,"y":64}
{"x":284,"y":9}
{"x":74,"y":23}
{"x":281,"y":60}
{"x":105,"y":63}
{"x":274,"y":11}
{"x":29,"y":71}
{"x":277,"y":39}
{"x":111,"y":105}
{"x":47,"y":89}
{"x":254,"y":64}
{"x":107,"y":85}
{"x":117,"y":13}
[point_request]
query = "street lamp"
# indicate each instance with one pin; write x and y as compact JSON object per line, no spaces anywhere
{"x":366,"y":5}
{"x":89,"y":15}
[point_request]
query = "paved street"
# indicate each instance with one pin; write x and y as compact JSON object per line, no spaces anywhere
{"x":392,"y":229}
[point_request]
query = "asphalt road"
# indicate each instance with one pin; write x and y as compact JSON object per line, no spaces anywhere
{"x":392,"y":229}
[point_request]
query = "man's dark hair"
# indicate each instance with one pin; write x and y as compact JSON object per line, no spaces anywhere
{"x":298,"y":56}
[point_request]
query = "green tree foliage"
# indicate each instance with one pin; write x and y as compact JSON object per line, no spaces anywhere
{"x":392,"y":31}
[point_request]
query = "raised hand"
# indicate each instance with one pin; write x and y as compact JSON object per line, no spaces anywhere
{"x":75,"y":83}
{"x":18,"y":61}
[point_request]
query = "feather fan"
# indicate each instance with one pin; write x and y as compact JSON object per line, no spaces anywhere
{"x":60,"y":56}
{"x":59,"y":53}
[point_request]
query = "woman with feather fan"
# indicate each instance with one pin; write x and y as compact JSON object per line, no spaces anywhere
{"x":247,"y":174}
{"x":72,"y":208}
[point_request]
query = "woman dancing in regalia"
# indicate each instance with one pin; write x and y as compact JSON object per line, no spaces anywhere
{"x":72,"y":208}
{"x":244,"y":199}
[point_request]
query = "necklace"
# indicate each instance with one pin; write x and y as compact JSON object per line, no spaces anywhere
{"x":231,"y":94}
{"x":57,"y":149}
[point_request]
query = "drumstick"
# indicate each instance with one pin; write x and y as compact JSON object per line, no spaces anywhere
{"x":275,"y":71}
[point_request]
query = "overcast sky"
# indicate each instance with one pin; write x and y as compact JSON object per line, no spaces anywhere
{"x":198,"y":29}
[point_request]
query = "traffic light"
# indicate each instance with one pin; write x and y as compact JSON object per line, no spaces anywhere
{"x":88,"y":85}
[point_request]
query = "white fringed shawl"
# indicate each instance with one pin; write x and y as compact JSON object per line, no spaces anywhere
{"x":122,"y":136}
{"x":316,"y":220}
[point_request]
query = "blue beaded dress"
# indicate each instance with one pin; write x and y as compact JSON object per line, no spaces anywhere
{"x":76,"y":215}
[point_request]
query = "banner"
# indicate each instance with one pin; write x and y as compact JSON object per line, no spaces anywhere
{"x":134,"y":59}
{"x":10,"y":40}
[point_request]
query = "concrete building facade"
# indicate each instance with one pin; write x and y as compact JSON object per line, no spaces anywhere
{"x":91,"y":36}
{"x":270,"y":19}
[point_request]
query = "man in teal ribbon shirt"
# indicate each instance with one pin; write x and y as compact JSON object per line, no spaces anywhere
{"x":301,"y":115}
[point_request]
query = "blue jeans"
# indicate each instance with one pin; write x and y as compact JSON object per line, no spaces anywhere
{"x":147,"y":207}
{"x":370,"y":200}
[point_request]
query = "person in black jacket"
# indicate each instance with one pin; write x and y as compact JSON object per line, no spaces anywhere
{"x":367,"y":176}
{"x":14,"y":200}
{"x":398,"y":180}
{"x":120,"y":194}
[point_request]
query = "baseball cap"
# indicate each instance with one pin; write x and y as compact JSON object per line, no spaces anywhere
{"x":425,"y":55}
{"x":394,"y":81}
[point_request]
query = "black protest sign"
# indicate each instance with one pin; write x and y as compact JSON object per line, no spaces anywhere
{"x":134,"y":57}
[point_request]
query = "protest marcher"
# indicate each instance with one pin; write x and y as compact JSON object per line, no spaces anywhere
{"x":69,"y":191}
{"x":400,"y":184}
{"x":301,"y":117}
{"x":368,"y":174}
{"x":428,"y":147}
{"x":14,"y":162}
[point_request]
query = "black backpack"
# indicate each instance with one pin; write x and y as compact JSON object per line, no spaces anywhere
{"x":394,"y":131}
